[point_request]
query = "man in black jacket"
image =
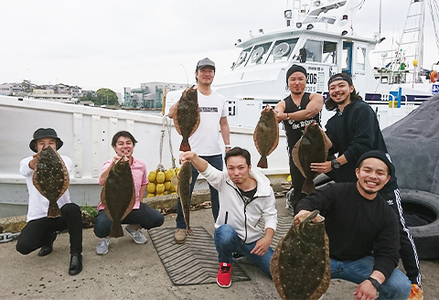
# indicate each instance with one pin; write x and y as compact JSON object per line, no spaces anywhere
{"x":353,"y":131}
{"x":362,"y":230}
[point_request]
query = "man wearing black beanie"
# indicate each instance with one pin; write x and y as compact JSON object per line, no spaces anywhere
{"x":296,"y":111}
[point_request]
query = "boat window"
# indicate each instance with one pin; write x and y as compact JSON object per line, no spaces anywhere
{"x":314,"y":50}
{"x":281,"y":51}
{"x":361,"y":58}
{"x":330,"y":52}
{"x":258,"y":54}
{"x":240,"y":62}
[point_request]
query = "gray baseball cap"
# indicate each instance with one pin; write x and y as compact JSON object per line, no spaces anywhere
{"x":205,"y":62}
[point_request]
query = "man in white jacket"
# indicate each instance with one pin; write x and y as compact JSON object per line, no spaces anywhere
{"x":245,"y":196}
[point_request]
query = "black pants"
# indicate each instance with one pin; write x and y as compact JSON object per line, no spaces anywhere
{"x":298,"y":180}
{"x":37,"y":233}
{"x":408,"y":253}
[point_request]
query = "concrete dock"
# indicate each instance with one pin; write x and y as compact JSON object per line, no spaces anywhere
{"x":131,"y":271}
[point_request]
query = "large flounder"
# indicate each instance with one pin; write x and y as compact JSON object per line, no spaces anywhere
{"x":266,"y":135}
{"x":51,"y":179}
{"x":118,"y":195}
{"x":187,"y":117}
{"x":300,"y":264}
{"x":311,"y":148}
{"x":183,"y":190}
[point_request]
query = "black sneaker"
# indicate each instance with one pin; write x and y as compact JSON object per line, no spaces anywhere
{"x":237,"y":255}
{"x":47,"y":249}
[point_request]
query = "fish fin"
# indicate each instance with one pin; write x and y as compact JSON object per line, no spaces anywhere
{"x":184,"y":146}
{"x":296,"y":159}
{"x":177,"y":125}
{"x":174,"y":180}
{"x":116,"y":230}
{"x":196,"y":124}
{"x":66,"y":175}
{"x":263,"y":162}
{"x":104,"y":203}
{"x":308,"y":186}
{"x":130,"y":206}
{"x":53,"y":211}
{"x":276,"y":142}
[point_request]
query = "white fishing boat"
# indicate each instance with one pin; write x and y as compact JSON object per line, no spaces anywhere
{"x":319,"y":38}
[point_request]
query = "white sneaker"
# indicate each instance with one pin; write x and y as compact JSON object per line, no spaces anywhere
{"x":102,"y":247}
{"x":137,"y":235}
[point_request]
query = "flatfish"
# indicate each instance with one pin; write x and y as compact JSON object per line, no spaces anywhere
{"x":311,"y":148}
{"x":183,"y":190}
{"x":51,"y":179}
{"x":118,"y":194}
{"x":187,"y":117}
{"x":266,"y":135}
{"x":300,"y":264}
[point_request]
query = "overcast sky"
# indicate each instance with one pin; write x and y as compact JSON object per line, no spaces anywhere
{"x":114,"y":44}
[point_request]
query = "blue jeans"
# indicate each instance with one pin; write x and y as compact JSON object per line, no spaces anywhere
{"x":145,"y":216}
{"x":217,"y":162}
{"x":397,"y":286}
{"x":227,"y":241}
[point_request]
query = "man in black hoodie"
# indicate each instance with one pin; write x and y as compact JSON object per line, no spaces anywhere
{"x":354,"y":130}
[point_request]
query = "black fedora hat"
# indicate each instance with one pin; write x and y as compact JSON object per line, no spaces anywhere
{"x":41,"y":133}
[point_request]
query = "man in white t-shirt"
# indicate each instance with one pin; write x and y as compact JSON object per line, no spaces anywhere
{"x":206,"y":139}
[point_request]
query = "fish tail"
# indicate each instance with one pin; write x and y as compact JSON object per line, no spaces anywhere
{"x":308,"y":186}
{"x":116,"y":230}
{"x":263,"y":162}
{"x":53,"y":211}
{"x":184,"y":146}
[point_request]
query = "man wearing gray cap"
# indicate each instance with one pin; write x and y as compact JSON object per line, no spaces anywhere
{"x":206,"y":139}
{"x":296,"y":111}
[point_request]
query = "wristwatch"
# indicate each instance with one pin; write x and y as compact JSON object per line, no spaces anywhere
{"x":335,"y":164}
{"x":374,"y":282}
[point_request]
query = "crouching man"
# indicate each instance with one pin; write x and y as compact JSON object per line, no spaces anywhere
{"x":245,"y":196}
{"x":363,"y":230}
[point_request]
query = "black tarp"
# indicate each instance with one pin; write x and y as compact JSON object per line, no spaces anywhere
{"x":413,"y":143}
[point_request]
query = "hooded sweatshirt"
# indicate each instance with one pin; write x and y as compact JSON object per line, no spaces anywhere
{"x":241,"y":213}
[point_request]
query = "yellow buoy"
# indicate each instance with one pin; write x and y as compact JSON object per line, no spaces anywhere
{"x":415,"y":62}
{"x":152,"y":176}
{"x":160,"y":188}
{"x":160,"y":178}
{"x":150,"y":187}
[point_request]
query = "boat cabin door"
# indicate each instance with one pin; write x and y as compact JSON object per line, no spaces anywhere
{"x":347,"y":58}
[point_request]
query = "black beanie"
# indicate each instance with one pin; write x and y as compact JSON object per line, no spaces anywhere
{"x":381,"y":156}
{"x":295,"y":68}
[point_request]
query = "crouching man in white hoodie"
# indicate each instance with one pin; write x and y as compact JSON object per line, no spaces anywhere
{"x":245,"y":196}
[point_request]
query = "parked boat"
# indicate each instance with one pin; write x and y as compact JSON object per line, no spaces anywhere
{"x":319,"y":38}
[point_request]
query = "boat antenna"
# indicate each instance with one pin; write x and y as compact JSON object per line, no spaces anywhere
{"x":379,"y":26}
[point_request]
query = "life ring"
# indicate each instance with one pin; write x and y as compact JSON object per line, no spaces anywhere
{"x":433,"y":76}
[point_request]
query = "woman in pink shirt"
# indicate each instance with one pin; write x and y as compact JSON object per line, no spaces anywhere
{"x":142,"y":216}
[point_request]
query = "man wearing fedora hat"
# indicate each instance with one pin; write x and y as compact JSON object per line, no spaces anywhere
{"x":40,"y":231}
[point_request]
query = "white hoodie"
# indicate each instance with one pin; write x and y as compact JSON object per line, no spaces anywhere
{"x":233,"y":211}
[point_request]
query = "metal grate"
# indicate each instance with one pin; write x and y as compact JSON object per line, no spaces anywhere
{"x":193,"y":262}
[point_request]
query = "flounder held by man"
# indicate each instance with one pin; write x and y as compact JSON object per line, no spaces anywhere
{"x":187,"y":117}
{"x":183,"y":182}
{"x":266,"y":135}
{"x":300,"y":264}
{"x":118,"y":194}
{"x":311,"y":148}
{"x":51,"y":179}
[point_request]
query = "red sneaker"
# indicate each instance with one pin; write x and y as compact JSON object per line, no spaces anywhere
{"x":224,"y":277}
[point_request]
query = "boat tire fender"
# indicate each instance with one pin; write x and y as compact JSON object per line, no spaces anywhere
{"x":425,"y":206}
